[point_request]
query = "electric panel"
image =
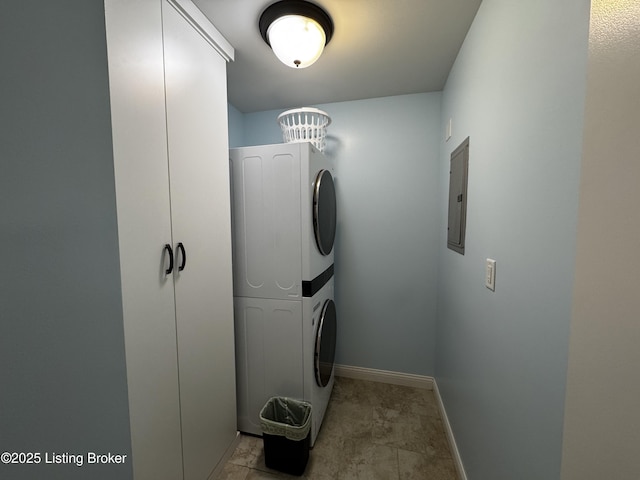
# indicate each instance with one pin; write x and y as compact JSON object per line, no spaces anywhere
{"x":458,"y":197}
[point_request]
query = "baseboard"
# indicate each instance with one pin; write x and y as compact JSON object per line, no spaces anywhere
{"x":384,"y":376}
{"x":408,"y":380}
{"x":457,"y":459}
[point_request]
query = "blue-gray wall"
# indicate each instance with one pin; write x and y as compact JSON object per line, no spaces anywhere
{"x":236,"y":127}
{"x":517,"y":90}
{"x":385,"y":154}
{"x":62,"y":366}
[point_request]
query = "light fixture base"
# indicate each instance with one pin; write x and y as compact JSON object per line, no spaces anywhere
{"x":295,"y":7}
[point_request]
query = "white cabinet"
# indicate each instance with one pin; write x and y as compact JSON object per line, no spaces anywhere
{"x":167,"y":73}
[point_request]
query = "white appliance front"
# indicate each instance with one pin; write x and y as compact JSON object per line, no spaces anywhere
{"x":269,"y":352}
{"x":284,"y":348}
{"x":284,"y":223}
{"x":276,"y":221}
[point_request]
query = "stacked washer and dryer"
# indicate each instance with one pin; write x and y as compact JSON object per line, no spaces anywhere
{"x":284,"y":223}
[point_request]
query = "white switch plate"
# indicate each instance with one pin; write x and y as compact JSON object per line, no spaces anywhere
{"x":448,"y":132}
{"x":490,"y":275}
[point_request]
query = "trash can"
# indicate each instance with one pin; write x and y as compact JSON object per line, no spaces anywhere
{"x":286,"y":432}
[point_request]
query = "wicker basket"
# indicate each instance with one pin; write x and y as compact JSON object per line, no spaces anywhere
{"x":305,"y":124}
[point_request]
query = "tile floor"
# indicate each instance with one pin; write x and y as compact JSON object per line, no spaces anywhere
{"x":370,"y":431}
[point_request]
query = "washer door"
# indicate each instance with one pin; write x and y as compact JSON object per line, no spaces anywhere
{"x":325,"y":350}
{"x":324,"y":211}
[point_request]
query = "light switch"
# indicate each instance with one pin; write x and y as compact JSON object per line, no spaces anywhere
{"x":448,"y":131}
{"x":490,"y":275}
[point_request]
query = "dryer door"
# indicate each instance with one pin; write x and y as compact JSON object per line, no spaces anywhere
{"x":325,"y":349}
{"x":324,"y":211}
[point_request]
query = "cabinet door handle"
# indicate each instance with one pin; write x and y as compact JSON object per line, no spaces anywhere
{"x":184,"y":256}
{"x":167,"y":248}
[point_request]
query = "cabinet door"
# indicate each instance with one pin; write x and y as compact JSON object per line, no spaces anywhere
{"x":135,"y":55}
{"x":195,"y":77}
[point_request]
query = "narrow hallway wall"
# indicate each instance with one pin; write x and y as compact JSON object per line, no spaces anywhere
{"x":517,"y":90}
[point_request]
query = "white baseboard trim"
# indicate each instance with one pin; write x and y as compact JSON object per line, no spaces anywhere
{"x":408,"y":380}
{"x":384,"y":376}
{"x":457,"y":459}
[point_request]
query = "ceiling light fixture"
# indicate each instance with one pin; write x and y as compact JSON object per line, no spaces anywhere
{"x":296,"y":31}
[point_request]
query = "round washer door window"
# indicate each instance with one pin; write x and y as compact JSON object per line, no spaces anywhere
{"x":325,"y":350}
{"x":324,"y":211}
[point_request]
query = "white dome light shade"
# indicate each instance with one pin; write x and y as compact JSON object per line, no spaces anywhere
{"x":296,"y":30}
{"x":296,"y":40}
